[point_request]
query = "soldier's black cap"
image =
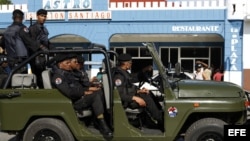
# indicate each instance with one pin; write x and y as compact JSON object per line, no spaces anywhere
{"x":124,"y":57}
{"x":61,"y":57}
{"x":41,"y":12}
{"x":80,"y":59}
{"x":72,"y":55}
{"x":17,"y":13}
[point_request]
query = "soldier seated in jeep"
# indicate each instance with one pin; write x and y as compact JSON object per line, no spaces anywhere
{"x":133,"y":97}
{"x":82,"y":98}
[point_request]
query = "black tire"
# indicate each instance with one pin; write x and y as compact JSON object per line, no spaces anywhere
{"x":206,"y":129}
{"x":47,"y":129}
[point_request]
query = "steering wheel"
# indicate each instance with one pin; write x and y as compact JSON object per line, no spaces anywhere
{"x":155,"y":80}
{"x":152,"y":80}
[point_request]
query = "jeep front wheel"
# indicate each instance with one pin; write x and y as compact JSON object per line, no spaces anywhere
{"x":207,"y":129}
{"x":47,"y":129}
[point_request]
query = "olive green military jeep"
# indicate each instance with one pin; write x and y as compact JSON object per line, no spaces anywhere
{"x":193,"y":110}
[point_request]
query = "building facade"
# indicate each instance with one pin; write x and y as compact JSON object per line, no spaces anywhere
{"x":184,"y":31}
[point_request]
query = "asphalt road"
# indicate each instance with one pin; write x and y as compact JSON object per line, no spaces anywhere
{"x":6,"y":137}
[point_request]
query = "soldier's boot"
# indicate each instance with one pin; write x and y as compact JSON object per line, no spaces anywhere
{"x":104,"y":129}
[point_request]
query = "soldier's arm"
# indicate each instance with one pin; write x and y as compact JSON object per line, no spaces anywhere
{"x":33,"y":32}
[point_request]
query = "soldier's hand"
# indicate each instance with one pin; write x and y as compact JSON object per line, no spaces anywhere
{"x":139,"y":100}
{"x":94,"y":88}
{"x":88,"y":92}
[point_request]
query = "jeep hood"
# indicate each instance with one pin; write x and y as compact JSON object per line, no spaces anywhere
{"x":196,"y":88}
{"x":201,"y":88}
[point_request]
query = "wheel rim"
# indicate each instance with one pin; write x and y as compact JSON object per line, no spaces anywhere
{"x":46,"y":135}
{"x":210,"y":136}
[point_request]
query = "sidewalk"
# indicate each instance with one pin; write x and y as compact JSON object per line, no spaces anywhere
{"x":6,"y":137}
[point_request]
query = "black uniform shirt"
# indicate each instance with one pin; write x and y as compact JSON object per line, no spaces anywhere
{"x":66,"y":83}
{"x":40,"y":33}
{"x":82,"y":77}
{"x":25,"y":36}
{"x":123,"y":82}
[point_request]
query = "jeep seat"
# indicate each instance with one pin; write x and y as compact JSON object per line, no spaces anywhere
{"x":46,"y":76}
{"x":23,"y":81}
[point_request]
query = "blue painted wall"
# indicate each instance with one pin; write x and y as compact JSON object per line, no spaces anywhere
{"x":145,"y":21}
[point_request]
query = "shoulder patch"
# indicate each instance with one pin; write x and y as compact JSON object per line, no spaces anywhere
{"x":26,"y":29}
{"x":58,"y":81}
{"x":118,"y":82}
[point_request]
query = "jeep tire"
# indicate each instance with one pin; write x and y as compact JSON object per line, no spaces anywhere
{"x":206,"y":129}
{"x":49,"y":129}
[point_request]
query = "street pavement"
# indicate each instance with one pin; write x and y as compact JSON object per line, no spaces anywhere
{"x":6,"y":137}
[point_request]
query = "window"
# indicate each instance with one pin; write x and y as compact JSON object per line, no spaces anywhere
{"x":195,"y":52}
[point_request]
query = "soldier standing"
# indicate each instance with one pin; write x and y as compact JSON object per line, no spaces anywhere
{"x":39,"y":33}
{"x":17,"y":41}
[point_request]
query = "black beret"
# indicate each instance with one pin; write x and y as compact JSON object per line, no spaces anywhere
{"x":17,"y":13}
{"x":72,"y":55}
{"x":124,"y":57}
{"x":80,"y":59}
{"x":61,"y":57}
{"x":41,"y":12}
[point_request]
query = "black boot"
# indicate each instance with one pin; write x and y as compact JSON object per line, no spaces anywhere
{"x":160,"y":124}
{"x":104,"y":129}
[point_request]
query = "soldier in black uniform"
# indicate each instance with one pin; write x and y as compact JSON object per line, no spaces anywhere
{"x":82,"y":98}
{"x":81,"y":75}
{"x":17,"y":41}
{"x":77,"y":63}
{"x":132,"y":96}
{"x":39,"y":33}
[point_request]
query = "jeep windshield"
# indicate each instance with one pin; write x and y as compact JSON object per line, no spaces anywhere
{"x":160,"y":67}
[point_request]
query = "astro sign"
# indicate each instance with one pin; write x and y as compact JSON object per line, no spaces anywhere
{"x":67,"y":4}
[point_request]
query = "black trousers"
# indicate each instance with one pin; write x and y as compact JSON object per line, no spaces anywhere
{"x":93,"y":101}
{"x":152,"y":107}
{"x":38,"y":66}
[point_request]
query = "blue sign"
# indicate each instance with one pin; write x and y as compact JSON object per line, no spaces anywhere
{"x":67,"y":4}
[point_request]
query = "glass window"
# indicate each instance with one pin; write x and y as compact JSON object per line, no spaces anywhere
{"x":195,"y":52}
{"x":216,"y":57}
{"x":132,"y":51}
{"x":164,"y":56}
{"x":173,"y":56}
{"x":119,"y":50}
{"x":187,"y":65}
{"x":144,"y":52}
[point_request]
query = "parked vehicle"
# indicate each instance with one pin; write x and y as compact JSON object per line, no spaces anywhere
{"x":193,"y":110}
